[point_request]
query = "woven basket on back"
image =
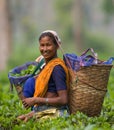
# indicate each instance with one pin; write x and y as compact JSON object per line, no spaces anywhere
{"x":88,"y":88}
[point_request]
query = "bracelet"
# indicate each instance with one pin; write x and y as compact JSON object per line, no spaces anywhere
{"x":46,"y":100}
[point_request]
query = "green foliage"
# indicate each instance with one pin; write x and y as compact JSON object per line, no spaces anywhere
{"x":100,"y":43}
{"x":27,"y":71}
{"x":23,"y":53}
{"x":108,"y":6}
{"x":11,"y":107}
{"x":3,"y":77}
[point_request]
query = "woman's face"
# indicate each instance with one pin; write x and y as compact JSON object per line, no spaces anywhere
{"x":47,"y":48}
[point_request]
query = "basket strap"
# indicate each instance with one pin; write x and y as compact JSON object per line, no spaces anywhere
{"x":71,"y":73}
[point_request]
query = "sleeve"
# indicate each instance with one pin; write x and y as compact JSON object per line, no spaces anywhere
{"x":59,"y":77}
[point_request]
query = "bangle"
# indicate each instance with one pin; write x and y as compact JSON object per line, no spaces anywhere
{"x":46,"y":100}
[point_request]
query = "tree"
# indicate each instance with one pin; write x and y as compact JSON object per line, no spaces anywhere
{"x":70,"y":15}
{"x":5,"y":34}
{"x":78,"y":23}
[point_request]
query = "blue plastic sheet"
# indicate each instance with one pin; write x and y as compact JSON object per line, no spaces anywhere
{"x":75,"y":62}
{"x":19,"y":80}
{"x":109,"y":61}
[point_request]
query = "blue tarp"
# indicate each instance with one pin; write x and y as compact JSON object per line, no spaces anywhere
{"x":20,"y":80}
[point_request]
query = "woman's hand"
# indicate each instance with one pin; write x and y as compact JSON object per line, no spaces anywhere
{"x":28,"y":102}
{"x":26,"y":117}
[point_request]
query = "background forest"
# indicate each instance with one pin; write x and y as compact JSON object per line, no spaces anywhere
{"x":81,"y":24}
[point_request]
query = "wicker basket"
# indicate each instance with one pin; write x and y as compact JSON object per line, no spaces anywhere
{"x":88,"y":88}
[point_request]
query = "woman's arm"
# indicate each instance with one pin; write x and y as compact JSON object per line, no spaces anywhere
{"x":61,"y":99}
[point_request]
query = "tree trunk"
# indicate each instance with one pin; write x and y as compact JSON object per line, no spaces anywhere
{"x":78,"y":23}
{"x":5,"y":34}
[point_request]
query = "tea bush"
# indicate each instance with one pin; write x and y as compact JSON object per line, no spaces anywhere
{"x":11,"y":107}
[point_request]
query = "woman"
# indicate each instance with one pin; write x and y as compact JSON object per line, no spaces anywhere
{"x":49,"y":90}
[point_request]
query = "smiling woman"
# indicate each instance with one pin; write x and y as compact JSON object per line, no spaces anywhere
{"x":48,"y":46}
{"x":47,"y":92}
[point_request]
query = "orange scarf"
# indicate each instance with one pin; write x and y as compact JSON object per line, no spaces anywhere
{"x":41,"y":84}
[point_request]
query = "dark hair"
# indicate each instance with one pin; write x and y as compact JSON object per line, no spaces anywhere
{"x":49,"y":35}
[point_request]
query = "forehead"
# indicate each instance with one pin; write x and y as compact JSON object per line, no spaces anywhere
{"x":45,"y":39}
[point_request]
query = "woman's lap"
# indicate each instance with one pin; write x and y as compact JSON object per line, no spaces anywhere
{"x":46,"y":111}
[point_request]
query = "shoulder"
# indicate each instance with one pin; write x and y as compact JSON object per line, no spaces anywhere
{"x":58,"y":72}
{"x":58,"y":68}
{"x":59,"y":77}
